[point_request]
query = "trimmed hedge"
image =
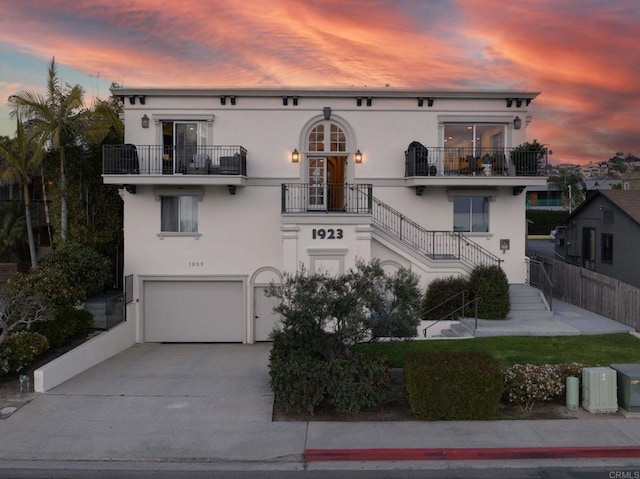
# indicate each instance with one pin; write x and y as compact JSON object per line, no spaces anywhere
{"x":21,"y":349}
{"x":441,"y":290}
{"x":453,"y":385}
{"x":490,"y":284}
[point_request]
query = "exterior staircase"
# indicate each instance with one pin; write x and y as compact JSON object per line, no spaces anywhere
{"x":527,"y":303}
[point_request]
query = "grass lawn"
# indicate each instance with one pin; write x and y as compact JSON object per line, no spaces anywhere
{"x":597,"y":350}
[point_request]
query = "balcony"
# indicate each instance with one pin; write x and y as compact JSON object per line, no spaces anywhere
{"x":471,"y":161}
{"x":462,"y":166}
{"x":158,"y":164}
{"x":326,"y":198}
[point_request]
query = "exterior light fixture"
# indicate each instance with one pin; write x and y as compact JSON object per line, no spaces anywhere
{"x":358,"y":156}
{"x":145,"y":121}
{"x":517,"y":123}
{"x":295,"y":156}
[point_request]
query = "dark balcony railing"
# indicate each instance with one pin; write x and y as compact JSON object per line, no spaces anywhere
{"x":431,"y":161}
{"x":326,"y":198}
{"x":172,"y":160}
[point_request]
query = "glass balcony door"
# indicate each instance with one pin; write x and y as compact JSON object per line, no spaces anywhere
{"x":317,"y":183}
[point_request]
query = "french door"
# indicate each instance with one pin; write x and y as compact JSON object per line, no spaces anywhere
{"x":317,"y":183}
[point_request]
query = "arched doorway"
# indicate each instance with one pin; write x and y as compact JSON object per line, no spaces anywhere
{"x":327,"y":166}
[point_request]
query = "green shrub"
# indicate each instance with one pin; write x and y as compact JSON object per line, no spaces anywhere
{"x":453,"y":385}
{"x":21,"y":349}
{"x":81,"y":321}
{"x":84,"y":267}
{"x":542,"y":222}
{"x":526,"y":384}
{"x":298,"y":380}
{"x":443,"y":290}
{"x":357,"y":382}
{"x":55,"y":330}
{"x":47,"y":288}
{"x":490,"y":284}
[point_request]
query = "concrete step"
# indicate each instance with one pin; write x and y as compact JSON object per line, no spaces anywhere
{"x":457,"y":330}
{"x":525,"y":299}
{"x":539,"y":306}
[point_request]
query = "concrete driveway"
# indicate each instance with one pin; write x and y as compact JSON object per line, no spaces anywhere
{"x":159,"y":402}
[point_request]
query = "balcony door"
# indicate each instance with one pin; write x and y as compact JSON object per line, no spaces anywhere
{"x":326,"y":160}
{"x":182,"y":140}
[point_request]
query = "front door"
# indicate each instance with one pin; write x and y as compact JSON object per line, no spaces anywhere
{"x":265,"y":320}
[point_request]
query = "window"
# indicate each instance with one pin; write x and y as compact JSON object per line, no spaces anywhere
{"x":607,"y":248}
{"x":337,"y":138}
{"x":179,"y":214}
{"x":607,"y":216}
{"x":471,"y":214}
{"x":476,"y":138}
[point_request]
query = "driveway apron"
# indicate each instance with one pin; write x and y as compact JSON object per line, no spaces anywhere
{"x":159,"y":402}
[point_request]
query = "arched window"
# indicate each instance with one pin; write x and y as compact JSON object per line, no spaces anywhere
{"x":327,"y":137}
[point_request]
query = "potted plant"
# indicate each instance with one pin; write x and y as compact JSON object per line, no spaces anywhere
{"x":528,"y":158}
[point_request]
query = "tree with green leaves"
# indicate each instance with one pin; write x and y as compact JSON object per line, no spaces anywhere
{"x":60,"y":119}
{"x":22,"y":161}
{"x":12,"y":229}
{"x":570,"y":186}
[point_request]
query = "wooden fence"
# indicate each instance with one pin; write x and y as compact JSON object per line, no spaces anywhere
{"x":594,"y":292}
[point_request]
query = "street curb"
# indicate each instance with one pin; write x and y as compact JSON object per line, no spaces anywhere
{"x":471,"y":454}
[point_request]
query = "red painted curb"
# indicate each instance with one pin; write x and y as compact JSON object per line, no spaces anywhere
{"x":471,"y":454}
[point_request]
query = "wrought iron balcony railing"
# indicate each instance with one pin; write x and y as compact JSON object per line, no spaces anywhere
{"x":431,"y":161}
{"x":326,"y":198}
{"x":172,"y":160}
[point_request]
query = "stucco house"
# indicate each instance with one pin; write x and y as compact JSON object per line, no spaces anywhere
{"x":602,"y":235}
{"x":226,"y":189}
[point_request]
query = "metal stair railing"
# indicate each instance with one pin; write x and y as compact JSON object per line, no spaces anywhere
{"x":451,"y":313}
{"x":437,"y":245}
{"x":539,"y":278}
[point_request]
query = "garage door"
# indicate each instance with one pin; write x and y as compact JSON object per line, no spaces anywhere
{"x":194,"y":311}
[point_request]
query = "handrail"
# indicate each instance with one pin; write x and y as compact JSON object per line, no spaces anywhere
{"x":114,"y":308}
{"x":434,"y":244}
{"x":461,"y":308}
{"x":539,"y":278}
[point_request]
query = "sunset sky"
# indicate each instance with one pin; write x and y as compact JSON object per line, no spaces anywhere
{"x":583,"y":55}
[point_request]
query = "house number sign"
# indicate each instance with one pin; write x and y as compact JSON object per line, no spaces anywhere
{"x":196,"y":264}
{"x":329,"y":233}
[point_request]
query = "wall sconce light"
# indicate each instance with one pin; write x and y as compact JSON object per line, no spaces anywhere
{"x":358,"y":156}
{"x":295,"y":156}
{"x":517,"y":123}
{"x":145,"y":121}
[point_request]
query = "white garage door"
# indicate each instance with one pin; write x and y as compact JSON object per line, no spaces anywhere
{"x":193,"y":311}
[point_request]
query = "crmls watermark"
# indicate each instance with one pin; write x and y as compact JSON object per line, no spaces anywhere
{"x":624,"y":475}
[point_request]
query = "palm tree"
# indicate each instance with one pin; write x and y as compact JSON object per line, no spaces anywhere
{"x":59,"y":119}
{"x":22,"y":160}
{"x":12,"y":229}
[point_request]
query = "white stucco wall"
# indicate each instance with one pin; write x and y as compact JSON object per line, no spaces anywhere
{"x":244,"y":233}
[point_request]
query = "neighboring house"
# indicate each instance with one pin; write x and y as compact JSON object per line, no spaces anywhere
{"x":544,"y":197}
{"x":603,"y":184}
{"x":602,"y":235}
{"x":226,"y":189}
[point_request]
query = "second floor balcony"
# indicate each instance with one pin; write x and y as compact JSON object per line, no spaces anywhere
{"x":474,"y":161}
{"x":129,"y":159}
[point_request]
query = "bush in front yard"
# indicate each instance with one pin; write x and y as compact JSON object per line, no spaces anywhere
{"x":20,"y":349}
{"x":440,"y":291}
{"x":357,"y":382}
{"x":526,"y":384}
{"x":68,"y":324}
{"x":83,"y":266}
{"x":490,"y":284}
{"x":453,"y":385}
